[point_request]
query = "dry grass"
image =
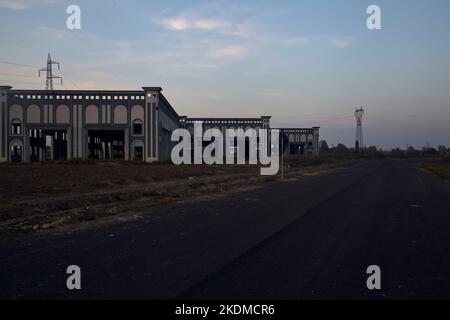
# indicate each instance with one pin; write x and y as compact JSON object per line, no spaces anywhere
{"x":35,"y":197}
{"x":44,"y":188}
{"x":439,"y":167}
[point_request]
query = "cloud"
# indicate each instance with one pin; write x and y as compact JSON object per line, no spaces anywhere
{"x":24,"y":4}
{"x":209,"y":24}
{"x":55,"y":33}
{"x":206,"y":18}
{"x":14,"y":4}
{"x":189,"y":59}
{"x":340,"y":43}
{"x":273,"y":93}
{"x":236,"y":51}
{"x":180,"y":24}
{"x":176,"y":24}
{"x":297,"y":40}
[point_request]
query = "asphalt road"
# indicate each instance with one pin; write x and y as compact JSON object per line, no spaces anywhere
{"x":306,"y":239}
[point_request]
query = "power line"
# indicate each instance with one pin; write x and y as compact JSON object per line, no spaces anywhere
{"x":25,"y":82}
{"x":35,"y":67}
{"x":315,"y":122}
{"x":17,"y":75}
{"x":333,"y":119}
{"x":65,"y":75}
{"x":19,"y":64}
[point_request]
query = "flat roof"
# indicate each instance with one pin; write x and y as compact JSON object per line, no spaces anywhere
{"x":224,"y":119}
{"x":24,"y":91}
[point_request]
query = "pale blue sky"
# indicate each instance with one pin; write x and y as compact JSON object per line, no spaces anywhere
{"x":303,"y":62}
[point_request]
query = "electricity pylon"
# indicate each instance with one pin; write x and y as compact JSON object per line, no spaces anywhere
{"x":49,"y":72}
{"x":359,"y":143}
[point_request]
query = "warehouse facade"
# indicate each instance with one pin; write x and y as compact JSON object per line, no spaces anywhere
{"x":40,"y":125}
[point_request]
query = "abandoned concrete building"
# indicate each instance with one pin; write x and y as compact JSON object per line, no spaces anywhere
{"x":40,"y":125}
{"x":293,"y":141}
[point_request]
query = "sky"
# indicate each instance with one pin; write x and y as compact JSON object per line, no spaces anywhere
{"x":304,"y":62}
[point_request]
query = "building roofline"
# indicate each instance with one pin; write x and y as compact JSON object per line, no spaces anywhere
{"x":169,"y":105}
{"x":219,"y":118}
{"x":159,"y":89}
{"x":76,"y":91}
{"x":304,"y":128}
{"x":89,"y":92}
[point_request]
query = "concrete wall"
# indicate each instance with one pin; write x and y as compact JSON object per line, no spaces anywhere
{"x":77,"y":112}
{"x":151,"y":124}
{"x":34,"y":114}
{"x":62,"y":114}
{"x":137,"y":115}
{"x":307,"y":138}
{"x":92,"y":114}
{"x":4,"y":123}
{"x":120,"y":115}
{"x":160,"y":120}
{"x":169,"y":121}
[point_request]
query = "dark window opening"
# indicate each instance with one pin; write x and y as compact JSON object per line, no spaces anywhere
{"x":106,"y":144}
{"x":137,"y":127}
{"x":138,"y":153}
{"x":47,"y":145}
{"x":16,"y":153}
{"x":16,"y":128}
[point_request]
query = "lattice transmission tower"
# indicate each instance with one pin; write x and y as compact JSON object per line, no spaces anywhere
{"x":359,"y":143}
{"x":49,"y":73}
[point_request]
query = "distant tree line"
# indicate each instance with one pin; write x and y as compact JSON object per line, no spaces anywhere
{"x":372,"y":151}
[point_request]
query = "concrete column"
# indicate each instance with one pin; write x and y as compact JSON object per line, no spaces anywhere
{"x":266,"y":121}
{"x":152,"y":95}
{"x":82,"y":137}
{"x":26,"y":143}
{"x":74,"y":128}
{"x":69,"y":143}
{"x":316,"y":141}
{"x":266,"y":125}
{"x":126,"y":147}
{"x":4,"y":125}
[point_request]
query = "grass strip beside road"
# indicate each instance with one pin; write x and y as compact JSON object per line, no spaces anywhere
{"x":440,"y":167}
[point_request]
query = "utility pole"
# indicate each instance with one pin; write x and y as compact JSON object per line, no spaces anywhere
{"x":359,"y":143}
{"x":49,"y":73}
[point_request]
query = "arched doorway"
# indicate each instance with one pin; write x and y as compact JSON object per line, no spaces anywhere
{"x":137,"y":150}
{"x":16,"y":151}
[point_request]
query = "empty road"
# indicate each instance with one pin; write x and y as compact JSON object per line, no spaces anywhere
{"x":307,"y":239}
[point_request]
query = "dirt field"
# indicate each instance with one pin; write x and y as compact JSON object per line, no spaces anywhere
{"x":36,"y":197}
